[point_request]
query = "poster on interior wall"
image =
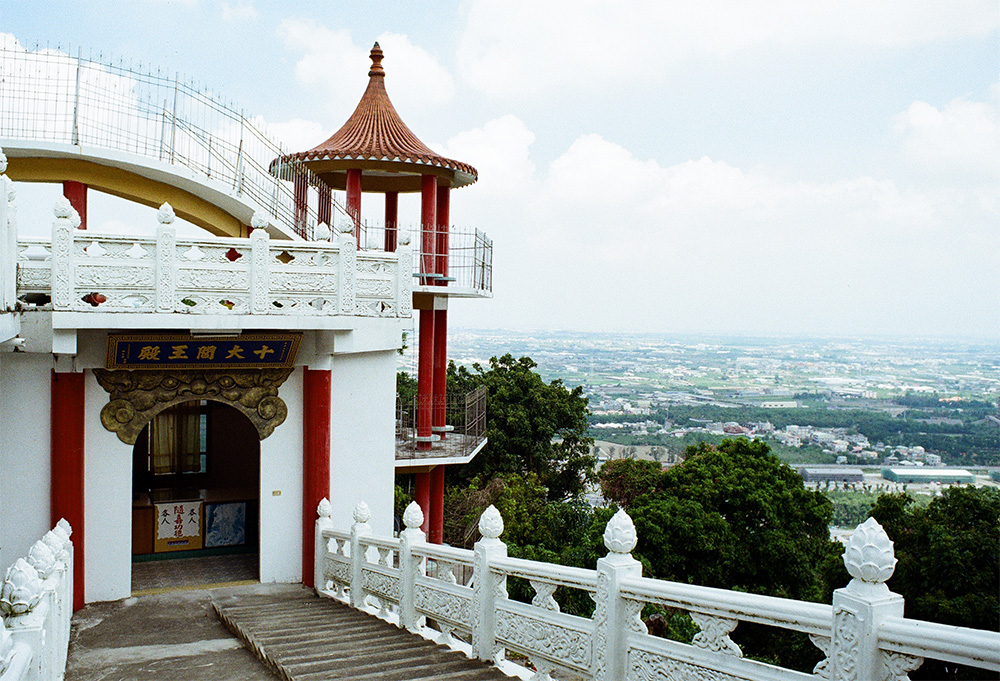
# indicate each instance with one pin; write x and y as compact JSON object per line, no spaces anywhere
{"x":178,"y":526}
{"x":225,"y":524}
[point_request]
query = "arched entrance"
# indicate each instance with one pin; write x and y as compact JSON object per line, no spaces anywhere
{"x":195,"y":497}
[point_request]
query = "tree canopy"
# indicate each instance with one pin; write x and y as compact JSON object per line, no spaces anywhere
{"x":532,"y":427}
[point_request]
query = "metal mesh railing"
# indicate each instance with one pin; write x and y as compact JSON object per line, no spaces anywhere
{"x":469,"y":261}
{"x":49,"y":96}
{"x":466,"y":413}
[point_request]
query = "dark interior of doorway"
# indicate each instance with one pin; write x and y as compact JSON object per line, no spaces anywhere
{"x":195,"y":497}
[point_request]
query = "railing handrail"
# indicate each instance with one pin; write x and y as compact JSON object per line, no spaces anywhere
{"x":85,"y":271}
{"x":961,"y":645}
{"x":811,"y":618}
{"x":156,"y":116}
{"x":862,"y":634}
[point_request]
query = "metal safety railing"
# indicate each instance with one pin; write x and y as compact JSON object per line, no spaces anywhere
{"x":47,"y":95}
{"x":465,"y":416}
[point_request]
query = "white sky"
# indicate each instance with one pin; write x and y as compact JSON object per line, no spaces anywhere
{"x":769,"y":167}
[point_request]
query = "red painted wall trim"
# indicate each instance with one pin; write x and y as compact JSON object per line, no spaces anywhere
{"x":315,"y":459}
{"x":436,"y":533}
{"x":67,"y":476}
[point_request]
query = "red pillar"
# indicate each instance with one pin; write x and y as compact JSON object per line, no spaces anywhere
{"x":425,"y":380}
{"x":301,"y":187}
{"x":66,"y":458}
{"x":428,"y":210}
{"x":354,"y":199}
{"x":422,"y":495}
{"x":76,"y":194}
{"x":391,"y":217}
{"x":435,"y":534}
{"x":440,"y":417}
{"x":315,"y":459}
{"x":441,"y":243}
{"x":324,"y":212}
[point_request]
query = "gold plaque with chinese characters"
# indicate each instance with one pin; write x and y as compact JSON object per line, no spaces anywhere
{"x":182,"y":351}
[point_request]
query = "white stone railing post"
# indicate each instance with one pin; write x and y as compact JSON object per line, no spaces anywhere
{"x":861,"y":607}
{"x":610,"y":617}
{"x":62,"y":256}
{"x":260,"y":270}
{"x":360,"y":528}
{"x":488,"y":587}
{"x":323,"y":522}
{"x":22,"y":605}
{"x":348,"y":268}
{"x":404,"y":274}
{"x":166,"y":260}
{"x":410,"y":566}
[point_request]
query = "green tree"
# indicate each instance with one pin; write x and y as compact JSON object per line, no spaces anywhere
{"x":624,"y":480}
{"x":733,"y":516}
{"x":532,"y":427}
{"x":948,"y":555}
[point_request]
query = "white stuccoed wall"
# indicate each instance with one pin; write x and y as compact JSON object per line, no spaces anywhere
{"x":25,"y":396}
{"x":107,"y":504}
{"x":281,"y":471}
{"x":362,"y":436}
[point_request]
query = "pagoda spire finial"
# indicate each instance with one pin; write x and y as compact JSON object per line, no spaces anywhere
{"x":376,"y":57}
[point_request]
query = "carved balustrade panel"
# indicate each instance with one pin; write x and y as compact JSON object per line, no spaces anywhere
{"x":445,"y":602}
{"x":375,"y":285}
{"x":562,"y":640}
{"x":381,"y":582}
{"x":651,"y":657}
{"x":34,"y":266}
{"x":213,"y":277}
{"x":303,"y":278}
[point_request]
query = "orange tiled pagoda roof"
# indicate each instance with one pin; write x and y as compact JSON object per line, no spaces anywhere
{"x":376,"y":140}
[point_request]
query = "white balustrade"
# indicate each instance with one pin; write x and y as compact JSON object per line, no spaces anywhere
{"x":82,"y":271}
{"x":863,"y":633}
{"x":36,"y":605}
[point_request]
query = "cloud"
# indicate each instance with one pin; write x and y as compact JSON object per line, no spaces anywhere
{"x":523,"y":48}
{"x":961,"y":139}
{"x":241,"y":10}
{"x":603,"y":239}
{"x":296,"y":134}
{"x":332,"y":63}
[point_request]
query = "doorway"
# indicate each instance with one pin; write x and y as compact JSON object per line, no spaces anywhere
{"x":195,"y":498}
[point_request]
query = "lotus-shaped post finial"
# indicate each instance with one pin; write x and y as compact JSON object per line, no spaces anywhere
{"x":42,"y":558}
{"x":65,"y":526}
{"x":258,"y":221}
{"x":324,"y":509}
{"x":491,"y":523}
{"x":21,"y":589}
{"x":362,"y":514}
{"x":619,"y":535}
{"x":404,"y":238}
{"x":166,"y":215}
{"x":413,"y":516}
{"x":59,"y":545}
{"x":3,"y":162}
{"x":62,"y":209}
{"x":322,"y":232}
{"x":869,"y":557}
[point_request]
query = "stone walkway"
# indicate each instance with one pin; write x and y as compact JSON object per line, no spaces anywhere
{"x":173,"y":636}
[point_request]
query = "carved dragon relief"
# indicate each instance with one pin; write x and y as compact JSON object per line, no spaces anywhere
{"x":138,"y":396}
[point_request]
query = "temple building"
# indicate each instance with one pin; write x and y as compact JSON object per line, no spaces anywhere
{"x":179,"y":395}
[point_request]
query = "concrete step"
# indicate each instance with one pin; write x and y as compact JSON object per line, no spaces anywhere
{"x":303,"y":637}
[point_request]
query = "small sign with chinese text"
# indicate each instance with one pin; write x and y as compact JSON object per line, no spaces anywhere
{"x":177,"y":351}
{"x":178,"y":526}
